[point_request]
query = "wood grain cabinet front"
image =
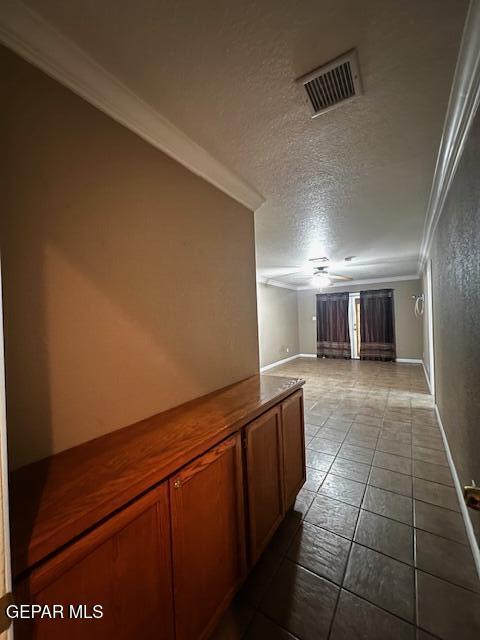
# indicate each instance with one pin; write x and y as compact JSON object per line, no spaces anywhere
{"x":275,"y":463}
{"x":124,"y":565}
{"x":208,"y":538}
{"x":165,"y":563}
{"x":293,"y":432}
{"x":265,"y":490}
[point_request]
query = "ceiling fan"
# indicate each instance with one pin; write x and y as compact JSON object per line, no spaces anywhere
{"x":321,"y":273}
{"x":324,"y":273}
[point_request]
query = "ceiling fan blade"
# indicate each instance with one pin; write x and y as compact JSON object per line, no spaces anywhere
{"x":294,"y":274}
{"x":334,"y":277}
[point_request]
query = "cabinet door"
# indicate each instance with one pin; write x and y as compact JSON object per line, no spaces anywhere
{"x":123,"y":565}
{"x":208,"y":538}
{"x":264,"y":463}
{"x":293,"y":446}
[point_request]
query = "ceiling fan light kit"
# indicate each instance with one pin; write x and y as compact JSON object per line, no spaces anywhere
{"x":322,"y":279}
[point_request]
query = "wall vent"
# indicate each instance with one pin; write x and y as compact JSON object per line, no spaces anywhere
{"x":333,"y":83}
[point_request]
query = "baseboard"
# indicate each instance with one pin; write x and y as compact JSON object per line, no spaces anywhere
{"x":458,"y":488}
{"x":314,"y":355}
{"x":427,"y":377}
{"x":278,"y":362}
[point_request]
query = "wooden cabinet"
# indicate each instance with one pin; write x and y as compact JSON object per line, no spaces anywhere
{"x":208,"y":538}
{"x":275,"y":463}
{"x":124,"y":565}
{"x":152,"y":522}
{"x":264,"y":463}
{"x":293,"y":432}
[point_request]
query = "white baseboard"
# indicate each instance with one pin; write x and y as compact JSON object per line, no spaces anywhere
{"x":427,"y":378}
{"x":314,"y":355}
{"x":278,"y":362}
{"x":472,"y":539}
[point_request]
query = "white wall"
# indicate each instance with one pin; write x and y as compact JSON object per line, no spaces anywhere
{"x":277,"y":323}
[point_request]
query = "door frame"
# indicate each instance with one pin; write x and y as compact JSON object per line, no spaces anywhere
{"x":6,"y":587}
{"x":429,"y":309}
{"x":355,"y":355}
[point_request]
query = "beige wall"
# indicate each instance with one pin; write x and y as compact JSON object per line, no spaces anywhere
{"x":455,"y":256}
{"x":129,"y":282}
{"x":307,"y":327}
{"x":277,"y":323}
{"x":408,"y":328}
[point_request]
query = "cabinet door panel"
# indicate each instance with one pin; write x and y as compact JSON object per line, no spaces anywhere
{"x":208,"y":538}
{"x":124,"y":565}
{"x":293,"y":446}
{"x":264,"y":479}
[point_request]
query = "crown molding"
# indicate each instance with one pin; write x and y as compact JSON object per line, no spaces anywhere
{"x":462,"y":106}
{"x":276,"y":283}
{"x":365,"y":281}
{"x":35,"y":40}
{"x":285,"y":285}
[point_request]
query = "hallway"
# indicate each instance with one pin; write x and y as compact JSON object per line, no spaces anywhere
{"x":211,"y":210}
{"x":375,"y":546}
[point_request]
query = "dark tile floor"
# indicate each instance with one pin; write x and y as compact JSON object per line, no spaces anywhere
{"x":375,"y":546}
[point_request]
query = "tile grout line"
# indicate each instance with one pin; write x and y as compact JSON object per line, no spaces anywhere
{"x":362,"y":508}
{"x":351,"y":542}
{"x":415,"y":411}
{"x":414,"y":533}
{"x":332,"y":621}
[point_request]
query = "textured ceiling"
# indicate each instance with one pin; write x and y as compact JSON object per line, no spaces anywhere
{"x":354,"y":181}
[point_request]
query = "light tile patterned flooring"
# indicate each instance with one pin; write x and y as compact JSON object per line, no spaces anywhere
{"x":375,"y":546}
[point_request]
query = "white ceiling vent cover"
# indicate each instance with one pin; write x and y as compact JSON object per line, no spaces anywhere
{"x":333,"y":84}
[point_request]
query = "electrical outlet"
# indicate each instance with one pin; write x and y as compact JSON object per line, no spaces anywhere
{"x":288,"y":350}
{"x":314,"y":318}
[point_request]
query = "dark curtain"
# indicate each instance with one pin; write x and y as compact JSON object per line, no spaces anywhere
{"x":333,"y":338}
{"x":377,"y":330}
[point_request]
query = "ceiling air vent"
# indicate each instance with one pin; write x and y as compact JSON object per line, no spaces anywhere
{"x":332,"y":84}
